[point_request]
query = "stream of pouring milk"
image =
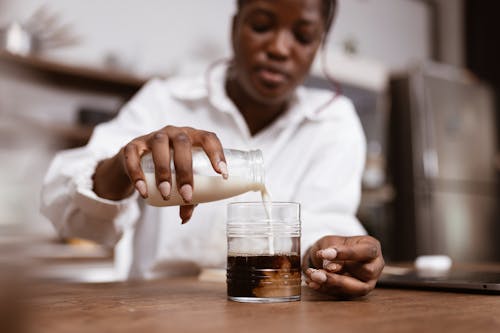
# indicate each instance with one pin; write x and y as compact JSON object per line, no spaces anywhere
{"x":266,"y":201}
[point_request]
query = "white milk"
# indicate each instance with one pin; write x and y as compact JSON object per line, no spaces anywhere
{"x":266,"y":201}
{"x":206,"y":189}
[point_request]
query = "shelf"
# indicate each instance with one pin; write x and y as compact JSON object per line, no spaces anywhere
{"x":81,"y":77}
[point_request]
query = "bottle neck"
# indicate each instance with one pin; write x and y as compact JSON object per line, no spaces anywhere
{"x":256,"y":162}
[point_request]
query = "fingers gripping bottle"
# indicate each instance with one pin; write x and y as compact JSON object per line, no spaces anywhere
{"x":245,"y":170}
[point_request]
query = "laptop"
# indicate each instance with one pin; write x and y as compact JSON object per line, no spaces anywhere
{"x":454,"y":280}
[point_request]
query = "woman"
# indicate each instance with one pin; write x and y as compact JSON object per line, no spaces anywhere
{"x":313,"y":147}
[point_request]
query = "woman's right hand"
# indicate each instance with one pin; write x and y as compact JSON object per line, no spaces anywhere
{"x":116,"y":178}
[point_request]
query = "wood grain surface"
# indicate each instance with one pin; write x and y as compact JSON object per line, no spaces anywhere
{"x":188,"y":305}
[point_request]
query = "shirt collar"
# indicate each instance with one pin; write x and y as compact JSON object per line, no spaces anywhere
{"x":211,"y":86}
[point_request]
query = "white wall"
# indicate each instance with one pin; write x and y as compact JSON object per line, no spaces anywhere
{"x":160,"y":35}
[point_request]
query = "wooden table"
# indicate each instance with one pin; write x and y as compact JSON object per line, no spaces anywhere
{"x":188,"y":305}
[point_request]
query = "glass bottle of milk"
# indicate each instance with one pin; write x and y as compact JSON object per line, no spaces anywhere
{"x":245,"y":170}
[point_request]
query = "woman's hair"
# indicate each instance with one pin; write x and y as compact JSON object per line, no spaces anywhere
{"x":328,"y":12}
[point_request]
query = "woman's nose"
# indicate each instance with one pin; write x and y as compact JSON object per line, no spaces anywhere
{"x":280,"y":45}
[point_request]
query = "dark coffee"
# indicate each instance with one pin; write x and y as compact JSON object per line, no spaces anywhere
{"x":263,"y":276}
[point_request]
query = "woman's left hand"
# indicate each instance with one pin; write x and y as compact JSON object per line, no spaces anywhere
{"x":344,"y":266}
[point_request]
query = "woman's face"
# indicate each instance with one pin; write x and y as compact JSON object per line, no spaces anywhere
{"x":274,"y":44}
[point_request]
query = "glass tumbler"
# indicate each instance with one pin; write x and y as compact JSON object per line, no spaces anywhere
{"x":263,"y":261}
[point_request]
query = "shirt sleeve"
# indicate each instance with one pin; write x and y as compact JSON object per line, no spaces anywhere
{"x":330,"y":190}
{"x":67,"y":198}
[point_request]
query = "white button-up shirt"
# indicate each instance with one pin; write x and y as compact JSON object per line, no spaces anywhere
{"x":313,"y":155}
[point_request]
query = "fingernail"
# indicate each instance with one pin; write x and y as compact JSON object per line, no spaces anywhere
{"x":309,"y":271}
{"x":186,"y":192}
{"x":318,"y":276}
{"x":326,"y":263}
{"x":329,"y":253}
{"x":164,"y":188}
{"x":140,"y":185}
{"x":314,"y":285}
{"x":332,"y":267}
{"x":223,"y":169}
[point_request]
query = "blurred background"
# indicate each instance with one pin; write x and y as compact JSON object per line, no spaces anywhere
{"x":423,"y":76}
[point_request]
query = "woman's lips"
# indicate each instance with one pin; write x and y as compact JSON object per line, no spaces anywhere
{"x":271,"y":77}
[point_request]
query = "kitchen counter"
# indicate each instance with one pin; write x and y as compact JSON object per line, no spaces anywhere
{"x":189,"y":305}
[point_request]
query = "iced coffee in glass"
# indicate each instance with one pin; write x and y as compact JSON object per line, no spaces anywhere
{"x":263,"y":262}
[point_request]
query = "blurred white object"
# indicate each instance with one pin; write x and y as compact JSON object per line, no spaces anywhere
{"x":433,"y":263}
{"x":15,"y":39}
{"x":44,"y":30}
